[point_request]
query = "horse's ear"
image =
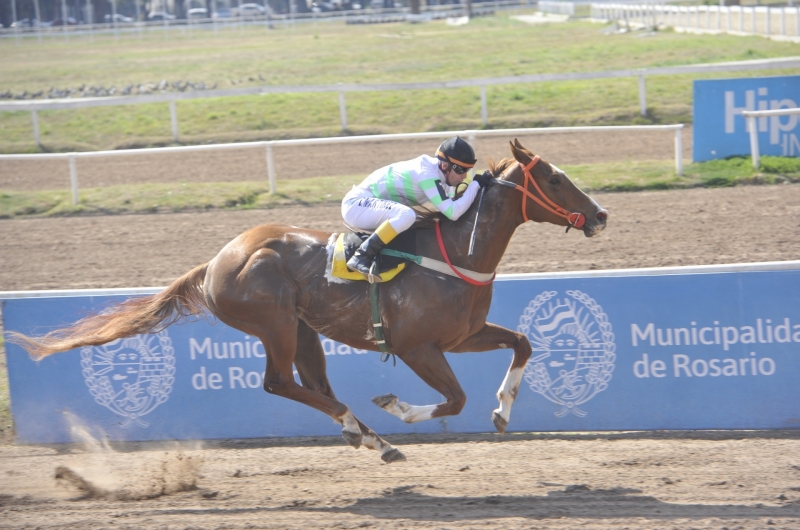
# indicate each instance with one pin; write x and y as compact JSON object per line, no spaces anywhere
{"x":523,"y":149}
{"x":519,"y":152}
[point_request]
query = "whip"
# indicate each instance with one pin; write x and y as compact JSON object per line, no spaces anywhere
{"x":475,"y":227}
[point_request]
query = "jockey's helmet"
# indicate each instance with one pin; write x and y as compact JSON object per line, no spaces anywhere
{"x":456,"y":151}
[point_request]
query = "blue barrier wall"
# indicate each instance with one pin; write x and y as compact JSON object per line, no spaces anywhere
{"x":719,"y":128}
{"x":612,"y":351}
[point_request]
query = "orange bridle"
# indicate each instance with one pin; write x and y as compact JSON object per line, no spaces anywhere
{"x":575,"y":219}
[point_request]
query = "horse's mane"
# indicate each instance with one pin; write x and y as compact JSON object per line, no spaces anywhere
{"x":497,"y":168}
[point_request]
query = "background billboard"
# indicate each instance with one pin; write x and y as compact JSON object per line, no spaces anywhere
{"x":720,"y":130}
{"x":611,"y":352}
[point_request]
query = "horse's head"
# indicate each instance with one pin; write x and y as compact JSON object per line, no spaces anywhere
{"x":548,"y":195}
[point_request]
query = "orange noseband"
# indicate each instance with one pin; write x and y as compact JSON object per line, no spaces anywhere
{"x":575,"y":219}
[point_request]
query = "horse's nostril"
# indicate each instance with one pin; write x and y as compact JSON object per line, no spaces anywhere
{"x":602,"y":215}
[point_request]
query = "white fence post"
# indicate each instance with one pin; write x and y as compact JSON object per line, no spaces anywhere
{"x":679,"y":151}
{"x":173,"y":115}
{"x":342,"y":110}
{"x":73,"y":178}
{"x":484,"y":110}
{"x":273,"y":185}
{"x":769,"y":16}
{"x":753,"y":128}
{"x":35,"y":120}
{"x":471,"y":138}
{"x":642,"y":96}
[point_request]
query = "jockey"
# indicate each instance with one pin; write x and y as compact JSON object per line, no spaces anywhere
{"x":384,"y":201}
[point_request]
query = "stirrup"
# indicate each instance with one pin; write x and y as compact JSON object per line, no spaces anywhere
{"x":373,"y":276}
{"x":355,"y":267}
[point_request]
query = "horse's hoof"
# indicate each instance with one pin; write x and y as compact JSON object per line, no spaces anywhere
{"x":499,"y":422}
{"x":385,"y":400}
{"x":353,"y":438}
{"x":393,"y":456}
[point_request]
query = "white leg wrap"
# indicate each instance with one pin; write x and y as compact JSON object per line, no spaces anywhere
{"x":410,"y":413}
{"x":375,"y":442}
{"x":349,"y":422}
{"x":508,"y":392}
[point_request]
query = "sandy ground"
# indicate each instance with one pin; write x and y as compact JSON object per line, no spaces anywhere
{"x":626,"y":480}
{"x":478,"y":481}
{"x":646,"y":229}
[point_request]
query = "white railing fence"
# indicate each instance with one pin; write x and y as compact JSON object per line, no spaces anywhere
{"x":768,"y":21}
{"x":34,"y":106}
{"x":72,"y":158}
{"x":560,"y":8}
{"x":774,"y":127}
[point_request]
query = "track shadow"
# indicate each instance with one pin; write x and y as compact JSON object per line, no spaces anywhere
{"x":438,"y":438}
{"x":576,"y":501}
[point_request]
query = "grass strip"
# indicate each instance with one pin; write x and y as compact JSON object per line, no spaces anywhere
{"x":185,"y":197}
{"x":315,"y":54}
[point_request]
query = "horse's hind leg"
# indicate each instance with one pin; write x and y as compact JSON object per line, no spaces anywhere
{"x":310,"y":363}
{"x":429,"y":363}
{"x":280,"y":343}
{"x":492,"y":337}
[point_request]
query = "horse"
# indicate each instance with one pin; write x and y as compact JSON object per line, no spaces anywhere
{"x":270,"y":282}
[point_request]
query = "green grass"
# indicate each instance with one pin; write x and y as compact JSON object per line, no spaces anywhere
{"x":333,"y":53}
{"x":639,"y":176}
{"x":150,"y":198}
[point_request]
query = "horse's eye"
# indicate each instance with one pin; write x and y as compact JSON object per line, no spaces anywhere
{"x":554,"y":180}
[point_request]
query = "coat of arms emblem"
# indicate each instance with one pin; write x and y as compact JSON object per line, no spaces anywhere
{"x":573,"y":349}
{"x":130,"y":376}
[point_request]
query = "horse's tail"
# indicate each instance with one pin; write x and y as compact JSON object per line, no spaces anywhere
{"x":149,"y":314}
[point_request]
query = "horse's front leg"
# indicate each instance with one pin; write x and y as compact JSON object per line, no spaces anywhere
{"x":492,"y":337}
{"x":429,"y":363}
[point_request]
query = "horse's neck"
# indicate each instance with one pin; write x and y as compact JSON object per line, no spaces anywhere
{"x":497,"y":220}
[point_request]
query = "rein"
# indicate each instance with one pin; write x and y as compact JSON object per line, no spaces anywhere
{"x":447,"y":260}
{"x":575,"y":219}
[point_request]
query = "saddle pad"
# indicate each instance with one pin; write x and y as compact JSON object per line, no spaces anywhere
{"x":339,"y":263}
{"x":404,"y":242}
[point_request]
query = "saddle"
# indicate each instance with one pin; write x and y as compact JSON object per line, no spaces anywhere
{"x":389,"y":265}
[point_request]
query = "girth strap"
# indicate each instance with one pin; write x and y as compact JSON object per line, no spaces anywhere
{"x":377,"y":325}
{"x":440,"y":266}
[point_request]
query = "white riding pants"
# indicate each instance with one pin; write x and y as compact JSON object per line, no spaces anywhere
{"x":366,"y":212}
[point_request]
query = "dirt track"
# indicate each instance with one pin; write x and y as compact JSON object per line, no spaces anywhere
{"x":647,"y":481}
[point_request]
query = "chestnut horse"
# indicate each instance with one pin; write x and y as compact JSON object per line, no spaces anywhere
{"x":270,"y":282}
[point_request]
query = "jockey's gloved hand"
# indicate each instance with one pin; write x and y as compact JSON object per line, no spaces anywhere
{"x":484,"y":180}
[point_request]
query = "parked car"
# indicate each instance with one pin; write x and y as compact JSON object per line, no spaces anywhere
{"x":27,"y":23}
{"x":160,"y":16}
{"x":322,"y":7}
{"x":119,"y":18}
{"x":197,"y":13}
{"x":60,"y":22}
{"x":252,"y":10}
{"x":222,"y":12}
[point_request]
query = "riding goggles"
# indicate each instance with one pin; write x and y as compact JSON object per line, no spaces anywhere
{"x":458,"y":169}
